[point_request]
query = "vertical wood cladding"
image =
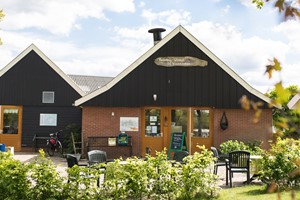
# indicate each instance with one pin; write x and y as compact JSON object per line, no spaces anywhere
{"x":175,"y":86}
{"x":31,"y":120}
{"x":24,"y":83}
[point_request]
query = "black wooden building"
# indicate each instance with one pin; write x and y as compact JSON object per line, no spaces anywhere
{"x":166,"y":90}
{"x":36,"y":97}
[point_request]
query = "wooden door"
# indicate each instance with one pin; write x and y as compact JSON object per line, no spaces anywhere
{"x":202,"y":128}
{"x":152,"y":131}
{"x":11,"y":126}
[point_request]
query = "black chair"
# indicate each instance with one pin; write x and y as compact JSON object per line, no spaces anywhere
{"x":96,"y":156}
{"x":178,"y":156}
{"x":218,"y":162}
{"x":238,"y":162}
{"x":72,"y":160}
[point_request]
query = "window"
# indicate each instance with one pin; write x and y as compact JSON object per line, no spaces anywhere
{"x":48,"y":97}
{"x":10,"y":121}
{"x":152,"y":122}
{"x":201,"y":123}
{"x":48,"y":119}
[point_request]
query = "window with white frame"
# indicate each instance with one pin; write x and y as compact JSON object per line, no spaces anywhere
{"x":48,"y":97}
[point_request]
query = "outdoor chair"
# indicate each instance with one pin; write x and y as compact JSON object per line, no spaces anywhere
{"x":72,"y":160}
{"x":238,"y":162}
{"x":218,"y":162}
{"x":178,"y":156}
{"x":96,"y":156}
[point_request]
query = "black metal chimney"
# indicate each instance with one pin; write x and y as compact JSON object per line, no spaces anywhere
{"x":156,"y":34}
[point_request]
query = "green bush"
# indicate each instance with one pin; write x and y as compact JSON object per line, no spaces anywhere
{"x":163,"y":177}
{"x":83,"y":183}
{"x":234,"y":145}
{"x":196,"y":180}
{"x":14,"y":183}
{"x":280,"y":163}
{"x":155,"y":178}
{"x":46,"y":183}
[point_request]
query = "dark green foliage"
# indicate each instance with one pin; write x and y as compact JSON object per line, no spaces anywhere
{"x":67,"y":140}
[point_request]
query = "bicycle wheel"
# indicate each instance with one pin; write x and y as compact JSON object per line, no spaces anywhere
{"x":50,"y":149}
{"x":59,"y":148}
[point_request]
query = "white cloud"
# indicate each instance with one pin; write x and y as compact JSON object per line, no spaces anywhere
{"x":169,"y":17}
{"x":291,"y":30}
{"x":58,"y":17}
{"x":226,"y":9}
{"x":247,"y":56}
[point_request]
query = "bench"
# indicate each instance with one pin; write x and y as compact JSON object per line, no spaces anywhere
{"x":37,"y":138}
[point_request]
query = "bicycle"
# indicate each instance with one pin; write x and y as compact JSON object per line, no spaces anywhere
{"x":54,"y":144}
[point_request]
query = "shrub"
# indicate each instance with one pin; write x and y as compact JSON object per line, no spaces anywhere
{"x":45,"y":181}
{"x":197,"y":180}
{"x":13,"y":178}
{"x":83,"y":183}
{"x":234,"y":145}
{"x":279,"y":164}
{"x":163,"y":177}
{"x":154,"y":178}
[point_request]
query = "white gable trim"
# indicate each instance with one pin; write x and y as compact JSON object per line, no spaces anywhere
{"x":158,"y":46}
{"x":48,"y":61}
{"x":294,"y":102}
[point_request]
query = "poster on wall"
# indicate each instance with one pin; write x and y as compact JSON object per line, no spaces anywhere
{"x":129,"y":124}
{"x":48,"y":119}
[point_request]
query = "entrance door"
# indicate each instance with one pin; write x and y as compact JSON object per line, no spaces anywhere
{"x":160,"y":123}
{"x":11,"y":126}
{"x":202,"y":128}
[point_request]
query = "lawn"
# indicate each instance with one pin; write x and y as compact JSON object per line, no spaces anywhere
{"x":254,"y":192}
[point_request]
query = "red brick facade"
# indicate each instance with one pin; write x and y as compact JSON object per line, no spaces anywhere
{"x":100,"y":121}
{"x":241,"y":127}
{"x":103,"y":121}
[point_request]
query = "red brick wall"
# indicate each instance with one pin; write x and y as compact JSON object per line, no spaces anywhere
{"x":99,"y":121}
{"x":241,"y":126}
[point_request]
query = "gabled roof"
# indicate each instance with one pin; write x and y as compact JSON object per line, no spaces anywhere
{"x":294,"y":102}
{"x":156,"y":47}
{"x":32,"y":47}
{"x":90,"y":83}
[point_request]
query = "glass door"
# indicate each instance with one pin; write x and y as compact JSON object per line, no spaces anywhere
{"x":201,"y":128}
{"x":11,"y":126}
{"x":152,"y":138}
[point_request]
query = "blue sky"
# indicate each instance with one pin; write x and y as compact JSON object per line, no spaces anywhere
{"x":102,"y":38}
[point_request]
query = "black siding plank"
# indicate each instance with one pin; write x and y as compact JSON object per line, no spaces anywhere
{"x":175,"y":86}
{"x":31,"y":119}
{"x":24,"y":83}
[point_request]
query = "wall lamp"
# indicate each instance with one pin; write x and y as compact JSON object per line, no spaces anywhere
{"x":154,"y":97}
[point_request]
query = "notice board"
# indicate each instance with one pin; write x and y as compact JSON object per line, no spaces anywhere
{"x":178,"y":142}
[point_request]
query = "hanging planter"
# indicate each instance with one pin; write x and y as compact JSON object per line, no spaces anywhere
{"x":224,"y":122}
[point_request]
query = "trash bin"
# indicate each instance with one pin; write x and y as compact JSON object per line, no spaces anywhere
{"x":2,"y":147}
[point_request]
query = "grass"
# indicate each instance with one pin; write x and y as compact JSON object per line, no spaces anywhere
{"x":255,"y":192}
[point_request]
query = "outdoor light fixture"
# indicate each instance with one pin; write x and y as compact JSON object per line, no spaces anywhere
{"x":112,"y":114}
{"x":154,"y":97}
{"x":224,"y":122}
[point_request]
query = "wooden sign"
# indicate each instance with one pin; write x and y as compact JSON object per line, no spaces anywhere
{"x":181,"y":61}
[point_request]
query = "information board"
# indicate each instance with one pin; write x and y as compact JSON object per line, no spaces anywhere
{"x":176,"y":141}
